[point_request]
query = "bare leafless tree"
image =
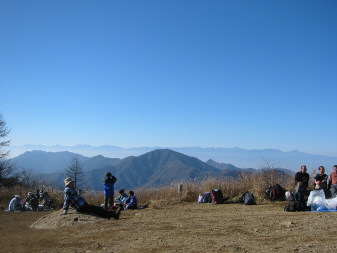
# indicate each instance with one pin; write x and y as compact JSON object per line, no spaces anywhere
{"x":76,"y":173}
{"x":6,"y":169}
{"x":4,"y":131}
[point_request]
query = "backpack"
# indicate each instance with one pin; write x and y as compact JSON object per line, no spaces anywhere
{"x":217,"y":196}
{"x":205,"y":198}
{"x":289,"y":196}
{"x":276,"y":192}
{"x":296,"y":207}
{"x":291,"y":207}
{"x":249,"y":199}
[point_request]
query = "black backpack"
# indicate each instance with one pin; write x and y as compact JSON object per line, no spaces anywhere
{"x":296,"y":206}
{"x":291,"y":207}
{"x":247,"y":199}
{"x":276,"y":192}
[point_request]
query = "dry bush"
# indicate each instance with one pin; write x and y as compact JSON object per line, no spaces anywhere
{"x":6,"y":194}
{"x":94,"y":198}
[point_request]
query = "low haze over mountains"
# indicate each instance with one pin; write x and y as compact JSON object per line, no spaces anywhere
{"x":242,"y":158}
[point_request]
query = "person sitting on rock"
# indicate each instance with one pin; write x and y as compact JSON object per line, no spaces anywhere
{"x":14,"y":204}
{"x":321,"y":180}
{"x":78,"y":203}
{"x":131,"y":201}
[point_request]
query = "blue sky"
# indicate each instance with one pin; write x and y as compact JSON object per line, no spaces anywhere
{"x":252,"y":74}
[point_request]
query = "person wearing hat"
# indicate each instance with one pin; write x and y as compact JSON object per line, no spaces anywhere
{"x":14,"y":204}
{"x":78,"y":203}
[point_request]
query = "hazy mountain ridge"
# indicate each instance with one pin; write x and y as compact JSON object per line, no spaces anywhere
{"x":46,"y":162}
{"x":155,"y":168}
{"x":242,"y":158}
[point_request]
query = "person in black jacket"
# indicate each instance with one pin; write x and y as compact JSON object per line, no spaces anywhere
{"x":321,"y":181}
{"x":301,"y":181}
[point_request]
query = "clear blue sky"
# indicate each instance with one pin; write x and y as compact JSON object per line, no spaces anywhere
{"x":252,"y":74}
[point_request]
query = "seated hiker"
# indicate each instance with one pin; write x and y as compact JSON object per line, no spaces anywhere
{"x":122,"y":196}
{"x":301,"y":181}
{"x":46,"y":202}
{"x":33,"y":202}
{"x":71,"y":198}
{"x":29,"y":196}
{"x":333,"y":182}
{"x":109,"y":190}
{"x":131,"y":201}
{"x":14,"y":204}
{"x":321,"y":180}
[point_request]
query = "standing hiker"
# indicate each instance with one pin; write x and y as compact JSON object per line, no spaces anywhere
{"x":109,"y":190}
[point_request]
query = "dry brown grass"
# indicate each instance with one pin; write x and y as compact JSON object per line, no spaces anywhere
{"x":257,"y":183}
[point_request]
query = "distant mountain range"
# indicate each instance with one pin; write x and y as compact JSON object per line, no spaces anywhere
{"x":154,"y":168}
{"x":241,"y":158}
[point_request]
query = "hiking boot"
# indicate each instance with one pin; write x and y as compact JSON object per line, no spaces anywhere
{"x":116,"y":214}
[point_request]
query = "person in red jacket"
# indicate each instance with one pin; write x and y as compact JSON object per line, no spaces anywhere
{"x":333,"y":182}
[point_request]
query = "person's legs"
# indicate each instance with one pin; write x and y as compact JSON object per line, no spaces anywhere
{"x":298,"y":195}
{"x":111,"y":201}
{"x":333,"y":190}
{"x":99,"y":211}
{"x":132,"y":206}
{"x":106,"y":198}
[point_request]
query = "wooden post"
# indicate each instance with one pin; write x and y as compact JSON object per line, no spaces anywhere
{"x":180,"y":189}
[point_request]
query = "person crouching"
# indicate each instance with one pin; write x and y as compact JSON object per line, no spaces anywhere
{"x":78,"y":203}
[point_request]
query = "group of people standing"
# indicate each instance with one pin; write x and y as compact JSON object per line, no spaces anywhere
{"x":322,"y":182}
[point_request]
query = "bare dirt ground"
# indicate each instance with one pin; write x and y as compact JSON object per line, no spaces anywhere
{"x":179,"y":227}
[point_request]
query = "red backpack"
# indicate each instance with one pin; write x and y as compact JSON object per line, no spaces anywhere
{"x":217,"y":196}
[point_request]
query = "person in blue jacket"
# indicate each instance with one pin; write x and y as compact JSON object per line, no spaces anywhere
{"x":109,"y":191}
{"x":131,"y":201}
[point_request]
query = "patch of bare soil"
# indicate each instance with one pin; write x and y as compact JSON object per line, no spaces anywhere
{"x":55,"y":220}
{"x":172,"y":227}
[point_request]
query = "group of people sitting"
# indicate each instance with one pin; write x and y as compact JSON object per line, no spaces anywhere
{"x":33,"y":202}
{"x":322,"y":182}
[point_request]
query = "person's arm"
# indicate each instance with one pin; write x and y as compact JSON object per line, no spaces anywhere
{"x":297,"y":179}
{"x":132,"y":201}
{"x":317,"y":179}
{"x":325,"y":178}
